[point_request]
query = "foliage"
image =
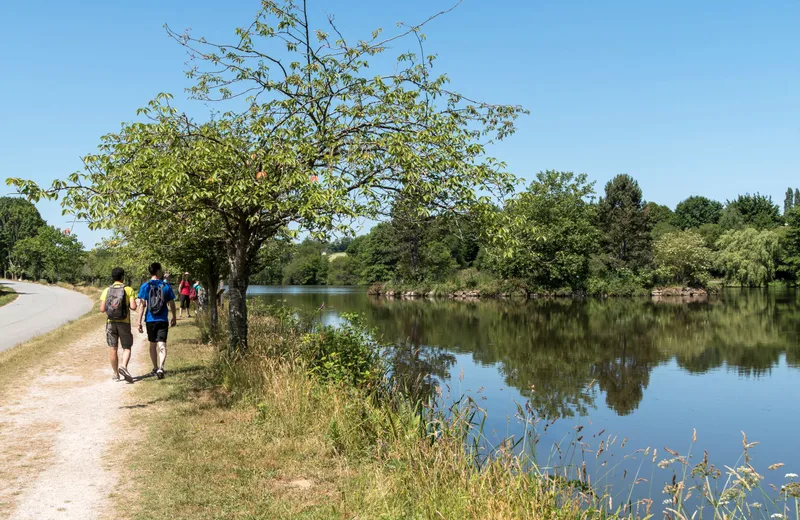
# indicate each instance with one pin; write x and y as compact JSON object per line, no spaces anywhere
{"x":623,"y":223}
{"x":790,"y":242}
{"x":51,"y":254}
{"x":748,"y":257}
{"x":755,"y":210}
{"x":659,"y":213}
{"x":309,"y":264}
{"x":683,"y":258}
{"x":323,"y":139}
{"x":696,"y":211}
{"x":788,"y":201}
{"x":345,"y":354}
{"x":343,"y":271}
{"x":552,"y":226}
{"x":19,"y":219}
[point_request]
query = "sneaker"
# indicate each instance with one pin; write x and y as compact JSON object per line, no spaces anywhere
{"x":160,"y":373}
{"x":116,"y":378}
{"x":127,"y":375}
{"x":154,"y":372}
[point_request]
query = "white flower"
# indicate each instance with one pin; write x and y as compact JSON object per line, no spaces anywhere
{"x":791,"y":475}
{"x":777,"y":515}
{"x":755,"y":505}
{"x":667,"y":501}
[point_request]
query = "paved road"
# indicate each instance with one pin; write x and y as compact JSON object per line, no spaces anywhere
{"x":38,"y":309}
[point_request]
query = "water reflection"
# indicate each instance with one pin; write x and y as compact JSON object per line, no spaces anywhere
{"x":562,"y":346}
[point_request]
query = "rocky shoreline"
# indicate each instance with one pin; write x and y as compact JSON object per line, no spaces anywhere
{"x":684,"y":293}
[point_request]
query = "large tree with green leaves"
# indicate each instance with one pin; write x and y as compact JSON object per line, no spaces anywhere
{"x":320,"y":139}
{"x":683,"y":258}
{"x":19,"y":219}
{"x":52,"y":254}
{"x":553,"y":226}
{"x":624,"y":225}
{"x":695,"y":211}
{"x":748,"y":257}
{"x":755,"y":210}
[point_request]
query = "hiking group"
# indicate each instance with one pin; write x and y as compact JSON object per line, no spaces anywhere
{"x":154,"y":301}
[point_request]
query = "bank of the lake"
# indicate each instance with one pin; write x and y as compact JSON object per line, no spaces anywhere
{"x":266,"y":437}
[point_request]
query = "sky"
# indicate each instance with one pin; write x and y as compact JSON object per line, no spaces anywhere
{"x":690,"y":98}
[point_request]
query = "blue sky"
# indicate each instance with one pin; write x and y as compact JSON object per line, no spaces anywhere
{"x":688,"y":97}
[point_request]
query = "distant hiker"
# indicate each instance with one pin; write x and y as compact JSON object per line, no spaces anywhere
{"x":117,"y":302}
{"x":199,"y":293}
{"x":185,"y":290}
{"x":155,"y":296}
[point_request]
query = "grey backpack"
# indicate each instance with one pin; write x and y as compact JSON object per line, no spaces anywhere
{"x":116,"y":303}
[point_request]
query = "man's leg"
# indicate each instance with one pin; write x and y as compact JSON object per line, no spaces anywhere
{"x":162,"y":354}
{"x":154,"y":355}
{"x":126,"y":356}
{"x":112,"y":340}
{"x":112,"y":357}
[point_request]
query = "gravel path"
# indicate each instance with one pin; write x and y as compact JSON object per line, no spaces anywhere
{"x":61,"y":432}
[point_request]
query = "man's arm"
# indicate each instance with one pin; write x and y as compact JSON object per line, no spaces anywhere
{"x":174,"y":313}
{"x":134,"y":306}
{"x":142,"y":312}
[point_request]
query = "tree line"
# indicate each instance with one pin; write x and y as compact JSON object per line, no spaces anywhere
{"x":561,"y":237}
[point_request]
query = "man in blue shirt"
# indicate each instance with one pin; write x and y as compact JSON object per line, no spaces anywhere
{"x":155,"y":296}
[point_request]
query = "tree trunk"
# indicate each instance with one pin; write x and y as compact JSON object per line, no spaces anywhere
{"x":239,"y":263}
{"x":212,"y":281}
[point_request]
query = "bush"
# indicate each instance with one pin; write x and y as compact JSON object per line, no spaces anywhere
{"x":346,"y":354}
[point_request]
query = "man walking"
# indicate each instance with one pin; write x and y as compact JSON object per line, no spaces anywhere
{"x":155,"y":295}
{"x":117,"y":302}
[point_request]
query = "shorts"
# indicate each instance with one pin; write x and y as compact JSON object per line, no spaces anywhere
{"x":157,"y":331}
{"x":184,"y":301}
{"x":119,"y":332}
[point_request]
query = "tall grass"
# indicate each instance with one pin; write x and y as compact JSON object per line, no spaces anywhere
{"x":326,"y":390}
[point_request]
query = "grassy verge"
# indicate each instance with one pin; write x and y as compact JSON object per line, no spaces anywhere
{"x":7,"y":295}
{"x":298,"y":428}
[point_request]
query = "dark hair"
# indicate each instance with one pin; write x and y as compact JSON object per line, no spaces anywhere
{"x":117,"y":274}
{"x":154,"y":268}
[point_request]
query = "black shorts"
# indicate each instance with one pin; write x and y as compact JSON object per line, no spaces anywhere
{"x":184,"y":301}
{"x":157,"y":331}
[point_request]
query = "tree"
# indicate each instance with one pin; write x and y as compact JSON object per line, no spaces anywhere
{"x":376,"y":254}
{"x":748,"y":256}
{"x":309,"y":264}
{"x":343,"y":270}
{"x":658,"y":213}
{"x":790,"y":242}
{"x":19,"y":219}
{"x":756,"y":210}
{"x":683,"y":258}
{"x":624,"y":224}
{"x":552,"y":223}
{"x":797,"y":196}
{"x":696,"y":211}
{"x":51,"y":254}
{"x":319,"y":142}
{"x":788,"y":201}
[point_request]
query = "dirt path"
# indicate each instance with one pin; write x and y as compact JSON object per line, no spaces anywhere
{"x":58,"y":434}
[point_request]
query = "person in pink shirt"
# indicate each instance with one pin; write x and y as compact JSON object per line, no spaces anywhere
{"x":185,"y":291}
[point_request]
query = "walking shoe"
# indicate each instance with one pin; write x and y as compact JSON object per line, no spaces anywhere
{"x":127,"y":375}
{"x":153,"y":373}
{"x":116,"y":378}
{"x":160,"y":373}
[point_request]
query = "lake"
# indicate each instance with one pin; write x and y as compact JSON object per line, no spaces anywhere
{"x":646,"y":374}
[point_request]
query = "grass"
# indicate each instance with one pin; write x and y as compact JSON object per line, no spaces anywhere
{"x":7,"y":295}
{"x":263,"y":437}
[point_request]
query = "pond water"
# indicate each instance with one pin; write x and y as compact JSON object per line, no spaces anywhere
{"x":635,"y":370}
